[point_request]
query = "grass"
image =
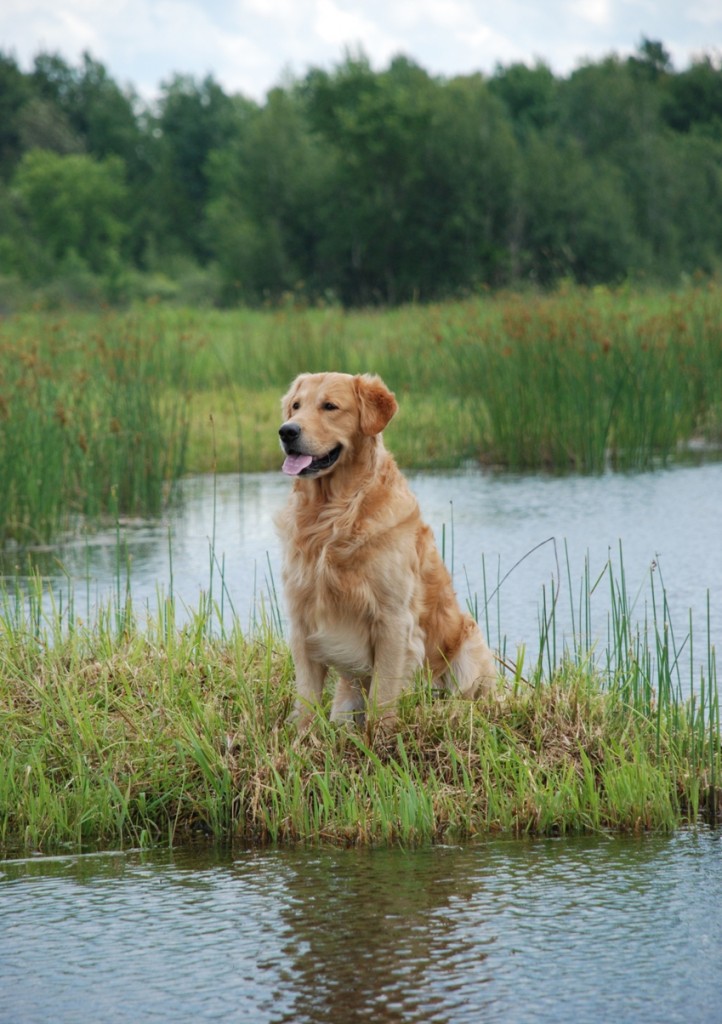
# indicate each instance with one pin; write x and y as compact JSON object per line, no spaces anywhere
{"x":131,"y":730}
{"x":100,"y":413}
{"x":576,"y":380}
{"x":88,"y":425}
{"x":134,"y":732}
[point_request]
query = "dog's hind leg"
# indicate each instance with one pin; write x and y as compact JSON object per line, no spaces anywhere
{"x":472,"y":671}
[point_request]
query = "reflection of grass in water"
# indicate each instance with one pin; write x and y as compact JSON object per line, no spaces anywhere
{"x":128,"y":732}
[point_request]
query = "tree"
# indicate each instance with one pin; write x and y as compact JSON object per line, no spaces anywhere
{"x":194,"y":119}
{"x":375,"y":126}
{"x":421,"y":180}
{"x":693,"y":98}
{"x":463,"y":213}
{"x":264,"y":217}
{"x":373,"y":186}
{"x":42,"y":125}
{"x":14,"y":93}
{"x":652,"y":61}
{"x":574,"y":219}
{"x":607,"y":108}
{"x":529,"y":94}
{"x":74,"y":206}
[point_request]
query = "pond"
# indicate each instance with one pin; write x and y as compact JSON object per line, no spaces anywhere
{"x":522,"y":534}
{"x":587,"y":929}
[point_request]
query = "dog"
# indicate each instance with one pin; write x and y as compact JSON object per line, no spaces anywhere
{"x":366,"y":589}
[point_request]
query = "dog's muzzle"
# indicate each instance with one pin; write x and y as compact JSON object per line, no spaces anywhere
{"x":298,"y":462}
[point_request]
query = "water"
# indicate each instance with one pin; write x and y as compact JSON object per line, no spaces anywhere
{"x":516,"y":528}
{"x":588,"y":930}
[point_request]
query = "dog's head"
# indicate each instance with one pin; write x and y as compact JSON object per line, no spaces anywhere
{"x":326,"y":415}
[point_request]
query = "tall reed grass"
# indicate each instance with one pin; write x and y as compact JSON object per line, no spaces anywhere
{"x":93,"y":421}
{"x":101,"y":413}
{"x":573,"y":381}
{"x":133,"y":730}
{"x":577,"y":383}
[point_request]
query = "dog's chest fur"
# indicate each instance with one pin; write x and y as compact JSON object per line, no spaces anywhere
{"x":339,"y":558}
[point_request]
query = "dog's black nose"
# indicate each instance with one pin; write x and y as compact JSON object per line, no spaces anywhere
{"x":289,"y":433}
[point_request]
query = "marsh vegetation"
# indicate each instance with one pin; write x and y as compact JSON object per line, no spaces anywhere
{"x":99,"y":414}
{"x":134,"y":730}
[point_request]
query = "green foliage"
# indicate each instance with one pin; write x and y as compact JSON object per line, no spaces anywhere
{"x":693,"y":98}
{"x":74,"y":205}
{"x":365,"y":186}
{"x":529,"y":94}
{"x":194,"y":119}
{"x":265,"y":185}
{"x":15,"y":90}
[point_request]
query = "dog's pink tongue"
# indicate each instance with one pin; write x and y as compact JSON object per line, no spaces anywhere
{"x":295,"y":464}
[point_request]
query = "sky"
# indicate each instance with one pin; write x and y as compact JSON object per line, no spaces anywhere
{"x":249,"y":46}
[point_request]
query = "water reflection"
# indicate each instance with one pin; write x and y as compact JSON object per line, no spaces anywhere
{"x":588,"y":929}
{"x":374,"y":938}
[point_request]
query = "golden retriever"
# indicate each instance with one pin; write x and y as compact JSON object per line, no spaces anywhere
{"x":367,"y":591}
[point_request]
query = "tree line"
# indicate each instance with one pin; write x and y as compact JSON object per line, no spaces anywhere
{"x":364,"y":186}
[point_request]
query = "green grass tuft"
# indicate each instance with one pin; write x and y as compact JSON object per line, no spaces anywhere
{"x":119,"y":733}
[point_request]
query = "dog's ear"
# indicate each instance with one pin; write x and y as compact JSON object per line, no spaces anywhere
{"x":376,"y":403}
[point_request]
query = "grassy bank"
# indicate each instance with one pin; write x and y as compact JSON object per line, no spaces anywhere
{"x":98,"y":414}
{"x":129,"y":733}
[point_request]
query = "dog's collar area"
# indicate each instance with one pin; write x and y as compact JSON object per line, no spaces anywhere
{"x":322,"y":462}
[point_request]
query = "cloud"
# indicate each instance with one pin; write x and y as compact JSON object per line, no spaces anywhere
{"x":338,"y":27}
{"x":274,"y":10}
{"x":595,"y":12}
{"x":246,"y":44}
{"x":705,"y":12}
{"x":31,"y":27}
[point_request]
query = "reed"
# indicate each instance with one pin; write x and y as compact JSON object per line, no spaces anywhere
{"x":577,"y":380}
{"x":93,"y":421}
{"x":132,"y":730}
{"x":101,"y":413}
{"x":581,"y":383}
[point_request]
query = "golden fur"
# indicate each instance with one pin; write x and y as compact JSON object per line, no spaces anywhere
{"x":366,"y":588}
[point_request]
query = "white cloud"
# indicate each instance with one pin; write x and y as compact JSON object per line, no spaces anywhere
{"x":275,"y":10}
{"x":246,"y":44}
{"x":705,"y":12}
{"x":595,"y":12}
{"x":338,"y":27}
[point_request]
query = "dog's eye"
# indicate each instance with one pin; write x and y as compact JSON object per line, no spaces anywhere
{"x":296,"y":405}
{"x":329,"y":406}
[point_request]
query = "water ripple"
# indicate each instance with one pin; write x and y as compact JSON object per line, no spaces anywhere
{"x":550,"y":930}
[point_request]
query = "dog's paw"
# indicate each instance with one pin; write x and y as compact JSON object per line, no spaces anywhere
{"x":351,"y":718}
{"x":383,"y":724}
{"x":349,"y":711}
{"x":300,"y":718}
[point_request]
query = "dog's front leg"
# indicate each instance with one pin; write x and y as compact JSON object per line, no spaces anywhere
{"x":395,"y":661}
{"x":310,"y":676}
